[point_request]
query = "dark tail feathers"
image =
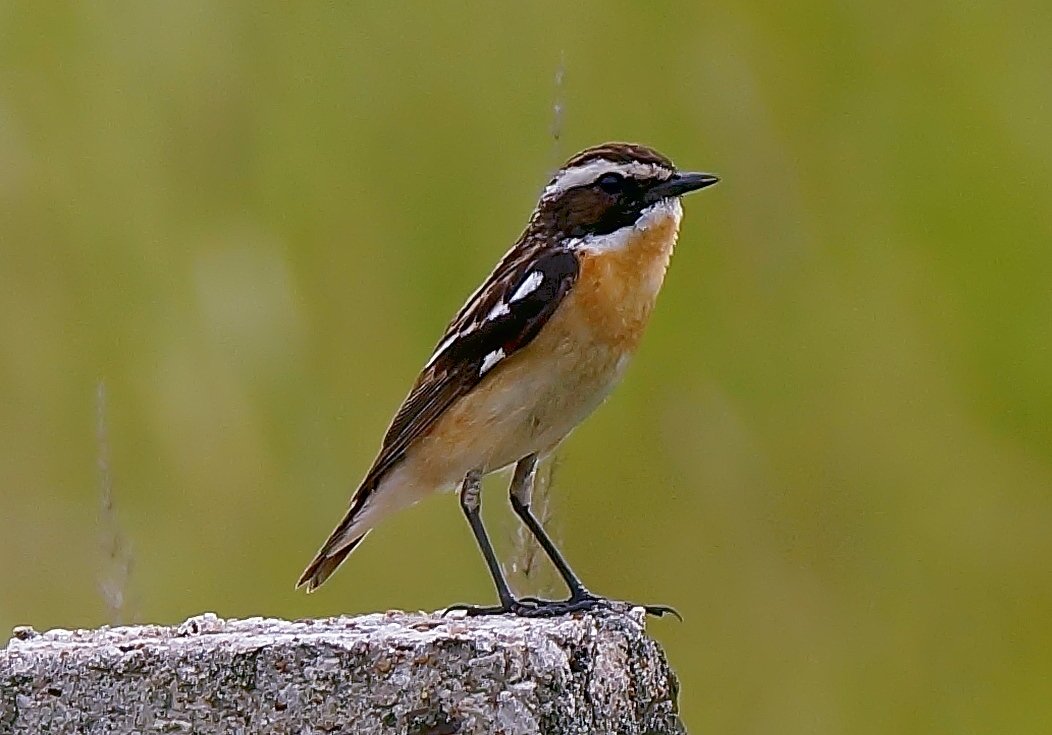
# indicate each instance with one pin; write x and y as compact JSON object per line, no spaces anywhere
{"x":337,"y":546}
{"x":325,"y":564}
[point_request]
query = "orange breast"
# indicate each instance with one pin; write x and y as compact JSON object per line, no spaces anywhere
{"x":535,"y":397}
{"x":616,"y":289}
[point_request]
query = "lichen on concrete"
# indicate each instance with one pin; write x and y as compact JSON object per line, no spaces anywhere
{"x":395,"y":672}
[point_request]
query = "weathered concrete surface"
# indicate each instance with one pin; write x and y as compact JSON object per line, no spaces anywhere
{"x":384,"y":673}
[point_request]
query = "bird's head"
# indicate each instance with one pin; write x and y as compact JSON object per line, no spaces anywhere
{"x":603,"y":190}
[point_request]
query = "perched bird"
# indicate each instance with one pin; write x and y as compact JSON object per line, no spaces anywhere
{"x":533,"y":352}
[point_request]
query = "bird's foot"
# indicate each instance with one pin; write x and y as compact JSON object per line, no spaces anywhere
{"x":520,"y":608}
{"x":536,"y":607}
{"x":586,"y":601}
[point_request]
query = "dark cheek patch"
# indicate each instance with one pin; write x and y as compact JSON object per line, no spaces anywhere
{"x":581,"y":208}
{"x":589,"y":211}
{"x":623,"y":214}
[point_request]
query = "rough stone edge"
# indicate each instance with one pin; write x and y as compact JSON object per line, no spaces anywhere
{"x":612,"y":643}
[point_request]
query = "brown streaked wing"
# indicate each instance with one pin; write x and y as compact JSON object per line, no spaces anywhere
{"x":458,"y":368}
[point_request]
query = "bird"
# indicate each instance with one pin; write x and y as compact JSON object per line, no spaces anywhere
{"x":534,"y":350}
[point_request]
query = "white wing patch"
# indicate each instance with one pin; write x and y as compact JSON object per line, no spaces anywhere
{"x":498,"y":311}
{"x":491,"y":359}
{"x":531,"y":284}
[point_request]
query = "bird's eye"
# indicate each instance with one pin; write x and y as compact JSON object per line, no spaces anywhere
{"x":611,"y":183}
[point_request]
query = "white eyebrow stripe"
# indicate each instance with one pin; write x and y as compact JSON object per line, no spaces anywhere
{"x":589,"y":172}
{"x":531,"y":284}
{"x":490,"y":360}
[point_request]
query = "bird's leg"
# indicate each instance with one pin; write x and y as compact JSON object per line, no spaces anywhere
{"x":471,"y":504}
{"x":521,"y":493}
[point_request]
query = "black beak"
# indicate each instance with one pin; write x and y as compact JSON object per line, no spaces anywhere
{"x":680,"y":184}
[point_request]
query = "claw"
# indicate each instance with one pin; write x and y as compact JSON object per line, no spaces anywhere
{"x":661,"y":610}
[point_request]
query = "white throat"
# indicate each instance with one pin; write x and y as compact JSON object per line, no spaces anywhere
{"x":655,"y":215}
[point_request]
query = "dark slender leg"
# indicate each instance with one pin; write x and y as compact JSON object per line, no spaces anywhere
{"x":521,"y":492}
{"x":471,"y":504}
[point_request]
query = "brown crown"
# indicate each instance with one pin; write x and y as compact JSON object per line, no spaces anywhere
{"x":619,"y":153}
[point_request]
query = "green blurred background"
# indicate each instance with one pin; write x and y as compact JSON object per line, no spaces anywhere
{"x":833,"y":453}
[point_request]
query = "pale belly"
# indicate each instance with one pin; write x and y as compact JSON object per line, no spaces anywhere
{"x":534,"y":398}
{"x":532,"y":415}
{"x":519,"y":412}
{"x":520,"y":409}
